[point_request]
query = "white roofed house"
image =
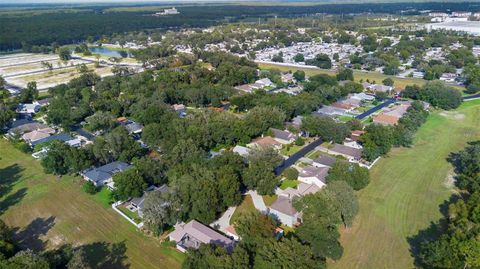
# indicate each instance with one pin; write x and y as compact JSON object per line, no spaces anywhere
{"x":314,"y":175}
{"x":242,"y":151}
{"x":28,"y":108}
{"x":263,"y":83}
{"x":192,"y":234}
{"x":284,"y":137}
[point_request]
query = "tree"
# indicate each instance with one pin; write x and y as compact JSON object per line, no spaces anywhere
{"x":160,"y":210}
{"x":254,"y":228}
{"x":29,"y":94}
{"x":321,"y":61}
{"x":89,"y":188}
{"x":260,"y":173}
{"x":345,"y":200}
{"x":78,"y":260}
{"x":6,"y":115}
{"x":286,"y":253}
{"x":101,"y":120}
{"x":377,"y":141}
{"x":55,"y":160}
{"x":326,"y":128}
{"x":128,"y":183}
{"x":291,"y":173}
{"x":261,"y":118}
{"x":7,"y":246}
{"x":64,"y":53}
{"x":26,"y":259}
{"x":354,"y":175}
{"x":345,"y":74}
{"x":388,"y":82}
{"x":299,"y":58}
{"x":299,"y":75}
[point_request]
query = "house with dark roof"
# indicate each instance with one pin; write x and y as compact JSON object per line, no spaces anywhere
{"x":21,"y":126}
{"x":102,"y":175}
{"x":136,"y":204}
{"x":28,"y":108}
{"x":61,"y":137}
{"x":283,"y":136}
{"x":192,"y":234}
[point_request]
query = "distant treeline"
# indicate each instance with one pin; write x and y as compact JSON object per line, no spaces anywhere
{"x":66,"y":27}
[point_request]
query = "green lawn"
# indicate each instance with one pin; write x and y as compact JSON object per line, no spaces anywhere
{"x":244,"y":208}
{"x":287,"y":183}
{"x":314,"y":154}
{"x":405,"y":192}
{"x":48,"y":212}
{"x":288,"y":150}
{"x":269,"y":199}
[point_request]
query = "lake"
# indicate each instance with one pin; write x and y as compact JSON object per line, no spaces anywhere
{"x":107,"y":52}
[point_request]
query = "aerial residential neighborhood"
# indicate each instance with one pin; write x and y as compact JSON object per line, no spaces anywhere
{"x":277,"y":134}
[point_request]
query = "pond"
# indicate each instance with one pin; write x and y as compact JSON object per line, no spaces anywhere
{"x":108,"y":52}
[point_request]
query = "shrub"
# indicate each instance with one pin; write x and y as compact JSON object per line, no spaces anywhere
{"x":89,"y":188}
{"x":291,"y":173}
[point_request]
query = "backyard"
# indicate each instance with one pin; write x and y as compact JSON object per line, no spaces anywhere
{"x":406,"y":191}
{"x":47,"y":212}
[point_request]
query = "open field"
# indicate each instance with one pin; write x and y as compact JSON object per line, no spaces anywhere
{"x":48,"y":212}
{"x":406,"y":191}
{"x":358,"y":75}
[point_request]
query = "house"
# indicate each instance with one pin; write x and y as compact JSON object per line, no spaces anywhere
{"x":194,"y":233}
{"x":330,"y":111}
{"x":102,"y":175}
{"x":397,"y":111}
{"x":355,"y":135}
{"x":19,"y":127}
{"x":28,"y":108}
{"x":242,"y":151}
{"x":314,"y":175}
{"x":352,"y":143}
{"x":137,"y":202}
{"x":287,"y":78}
{"x":265,"y":142}
{"x":297,"y":122}
{"x":324,"y":161}
{"x":377,"y":87}
{"x":284,"y":137}
{"x":385,"y":119}
{"x":61,"y":137}
{"x":351,"y":154}
{"x":244,"y":88}
{"x":180,"y":109}
{"x":131,"y":126}
{"x":44,"y":102}
{"x":363,"y":96}
{"x":282,"y":209}
{"x":301,"y":190}
{"x":37,"y":134}
{"x":263,"y":83}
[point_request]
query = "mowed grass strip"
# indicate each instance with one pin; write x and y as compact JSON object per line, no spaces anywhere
{"x":28,"y":194}
{"x":358,"y":75}
{"x":406,"y":191}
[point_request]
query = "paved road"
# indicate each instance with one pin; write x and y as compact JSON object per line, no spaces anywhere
{"x":297,"y":156}
{"x":471,"y":97}
{"x":375,"y":109}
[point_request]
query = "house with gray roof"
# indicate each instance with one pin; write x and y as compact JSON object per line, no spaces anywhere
{"x":314,"y":175}
{"x":102,"y":175}
{"x":324,"y":161}
{"x":284,"y":137}
{"x":21,"y":126}
{"x":282,"y":210}
{"x":351,"y":154}
{"x":192,"y":234}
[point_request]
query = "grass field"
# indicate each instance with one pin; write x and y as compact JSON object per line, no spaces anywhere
{"x":358,"y":75}
{"x":244,"y":208}
{"x":406,"y":191}
{"x":48,"y":212}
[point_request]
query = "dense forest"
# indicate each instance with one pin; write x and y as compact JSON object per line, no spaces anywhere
{"x":66,"y":26}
